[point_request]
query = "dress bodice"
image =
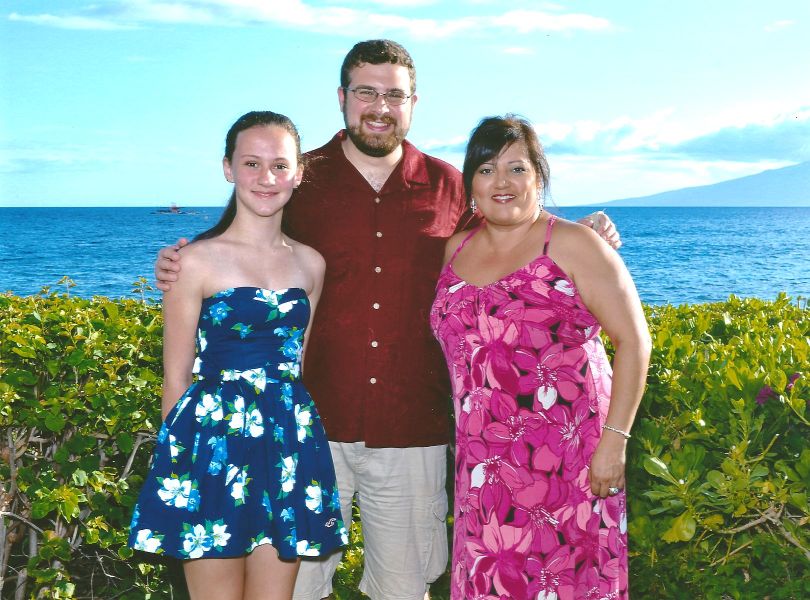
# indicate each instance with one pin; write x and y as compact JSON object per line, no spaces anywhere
{"x":249,"y":327}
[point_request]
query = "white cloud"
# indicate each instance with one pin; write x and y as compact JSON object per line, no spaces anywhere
{"x":592,"y":180}
{"x":779,"y":25}
{"x":69,"y":22}
{"x":302,"y":15}
{"x":517,"y":50}
{"x":595,"y":161}
{"x":528,"y":21}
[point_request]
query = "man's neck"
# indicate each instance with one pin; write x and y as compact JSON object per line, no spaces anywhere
{"x":374,"y":169}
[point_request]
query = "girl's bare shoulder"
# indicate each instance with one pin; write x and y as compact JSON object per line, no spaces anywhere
{"x":308,"y":256}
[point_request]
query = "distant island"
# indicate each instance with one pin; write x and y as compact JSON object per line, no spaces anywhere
{"x":788,"y":186}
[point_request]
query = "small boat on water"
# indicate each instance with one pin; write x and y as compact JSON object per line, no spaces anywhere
{"x":173,"y":210}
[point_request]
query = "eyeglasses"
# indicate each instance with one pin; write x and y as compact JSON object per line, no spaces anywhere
{"x":369,"y":95}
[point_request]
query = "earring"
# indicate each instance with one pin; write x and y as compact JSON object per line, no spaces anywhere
{"x":473,"y":205}
{"x":540,"y":202}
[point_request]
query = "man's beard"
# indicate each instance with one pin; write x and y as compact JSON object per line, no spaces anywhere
{"x":376,"y":145}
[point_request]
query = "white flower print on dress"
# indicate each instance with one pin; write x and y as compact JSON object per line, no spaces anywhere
{"x":256,"y":377}
{"x":219,"y":534}
{"x":196,"y":541}
{"x":179,"y":492}
{"x":175,"y":448}
{"x":260,"y":540}
{"x":288,"y":465}
{"x":238,"y":479}
{"x":303,"y":421}
{"x":209,"y":409}
{"x":304,"y":548}
{"x":314,"y":499}
{"x":248,"y":420}
{"x":290,"y":370}
{"x":147,"y":541}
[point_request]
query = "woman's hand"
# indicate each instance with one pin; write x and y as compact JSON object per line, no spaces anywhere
{"x":607,"y":465}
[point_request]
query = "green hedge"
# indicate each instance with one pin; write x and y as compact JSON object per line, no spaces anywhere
{"x":718,"y":474}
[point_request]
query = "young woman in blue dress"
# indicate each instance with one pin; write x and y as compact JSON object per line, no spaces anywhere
{"x":242,"y":482}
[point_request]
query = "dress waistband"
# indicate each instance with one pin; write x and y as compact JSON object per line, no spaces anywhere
{"x":258,"y":377}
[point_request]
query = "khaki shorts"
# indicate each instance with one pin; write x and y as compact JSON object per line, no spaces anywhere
{"x":403,"y":509}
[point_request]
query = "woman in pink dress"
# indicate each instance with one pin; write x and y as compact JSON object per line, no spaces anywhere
{"x":541,"y":429}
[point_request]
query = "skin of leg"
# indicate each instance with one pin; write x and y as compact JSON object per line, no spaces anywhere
{"x":261,"y":575}
{"x":268,"y":577}
{"x":215,"y":578}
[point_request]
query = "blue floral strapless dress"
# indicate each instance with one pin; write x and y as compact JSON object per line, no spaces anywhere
{"x":242,"y":459}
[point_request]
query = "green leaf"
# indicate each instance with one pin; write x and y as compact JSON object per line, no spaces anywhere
{"x":55,"y":421}
{"x":25,"y":352}
{"x":125,"y":442}
{"x":655,"y":466}
{"x":79,"y":478}
{"x":682,"y":529}
{"x":19,"y":377}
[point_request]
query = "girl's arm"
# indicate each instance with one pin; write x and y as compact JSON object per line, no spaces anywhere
{"x":181,"y":310}
{"x":609,"y":293}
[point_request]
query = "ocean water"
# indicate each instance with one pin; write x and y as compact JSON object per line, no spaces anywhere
{"x":675,"y":255}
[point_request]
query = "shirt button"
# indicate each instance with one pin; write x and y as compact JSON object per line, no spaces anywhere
{"x":374,"y":344}
{"x":373,"y":380}
{"x":376,"y":200}
{"x":378,"y":269}
{"x":379,"y":234}
{"x":376,"y":306}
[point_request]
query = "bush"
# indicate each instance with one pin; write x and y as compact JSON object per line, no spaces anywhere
{"x":79,"y":395}
{"x":718,"y":476}
{"x":721,"y":465}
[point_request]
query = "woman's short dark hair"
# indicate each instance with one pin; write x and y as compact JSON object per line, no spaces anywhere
{"x":258,"y":118}
{"x":377,"y":52}
{"x":489,"y":139}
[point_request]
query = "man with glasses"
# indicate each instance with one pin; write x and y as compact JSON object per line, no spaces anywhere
{"x":379,"y":211}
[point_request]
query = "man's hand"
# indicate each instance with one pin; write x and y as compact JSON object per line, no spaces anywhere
{"x":167,"y":265}
{"x":602,"y":225}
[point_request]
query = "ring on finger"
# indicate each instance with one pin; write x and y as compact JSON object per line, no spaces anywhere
{"x":612,"y":491}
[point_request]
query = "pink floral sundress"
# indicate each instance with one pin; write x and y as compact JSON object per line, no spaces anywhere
{"x":531,"y":390}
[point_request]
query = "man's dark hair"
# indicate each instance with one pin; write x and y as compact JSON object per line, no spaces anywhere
{"x":377,"y":52}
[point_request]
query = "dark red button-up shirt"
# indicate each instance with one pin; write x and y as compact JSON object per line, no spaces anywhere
{"x":372,"y":366}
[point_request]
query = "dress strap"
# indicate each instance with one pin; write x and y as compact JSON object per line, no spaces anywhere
{"x":463,"y":243}
{"x":551,"y":220}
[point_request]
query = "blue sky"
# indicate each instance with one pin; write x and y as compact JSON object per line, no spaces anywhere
{"x":126,"y":102}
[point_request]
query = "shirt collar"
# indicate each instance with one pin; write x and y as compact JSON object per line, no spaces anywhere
{"x":410,"y":171}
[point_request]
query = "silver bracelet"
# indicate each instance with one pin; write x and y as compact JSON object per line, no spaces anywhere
{"x":619,"y":431}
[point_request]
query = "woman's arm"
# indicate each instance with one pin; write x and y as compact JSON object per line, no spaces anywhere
{"x":609,"y":293}
{"x":181,"y":311}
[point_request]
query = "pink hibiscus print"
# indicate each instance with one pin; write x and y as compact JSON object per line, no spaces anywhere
{"x":552,"y":370}
{"x":590,"y":585}
{"x":501,"y":554}
{"x":589,"y":543}
{"x":491,"y":356}
{"x":513,"y":428}
{"x":496,"y":477}
{"x":552,"y":575}
{"x":536,"y":505}
{"x":572,"y":431}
